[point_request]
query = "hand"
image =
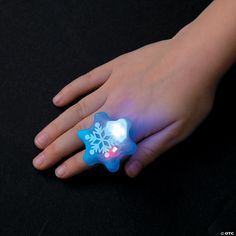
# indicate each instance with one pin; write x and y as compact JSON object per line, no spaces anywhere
{"x":158,"y":87}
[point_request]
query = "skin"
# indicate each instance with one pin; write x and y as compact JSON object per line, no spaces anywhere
{"x":169,"y":89}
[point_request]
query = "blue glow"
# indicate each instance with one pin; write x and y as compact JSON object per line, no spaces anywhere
{"x":107,"y":141}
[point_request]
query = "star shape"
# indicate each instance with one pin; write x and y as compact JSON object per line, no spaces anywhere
{"x":107,"y":141}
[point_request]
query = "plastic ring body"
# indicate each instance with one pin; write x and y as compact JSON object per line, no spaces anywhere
{"x":107,"y":141}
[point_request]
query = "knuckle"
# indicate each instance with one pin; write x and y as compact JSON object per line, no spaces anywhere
{"x":89,"y":76}
{"x":81,"y":109}
{"x":171,"y":138}
{"x":87,"y":80}
{"x":177,"y":133}
{"x":54,"y":127}
{"x":77,"y":161}
{"x":80,"y":126}
{"x":148,"y":151}
{"x":53,"y":149}
{"x":148,"y":155}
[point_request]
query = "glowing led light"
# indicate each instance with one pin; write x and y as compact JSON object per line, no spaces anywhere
{"x":107,"y":155}
{"x":117,"y":129}
{"x":107,"y":141}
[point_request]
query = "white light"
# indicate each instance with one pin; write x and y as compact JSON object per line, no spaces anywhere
{"x":107,"y":155}
{"x":117,"y":129}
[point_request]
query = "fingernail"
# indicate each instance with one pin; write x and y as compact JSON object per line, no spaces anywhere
{"x":41,"y":139}
{"x":60,"y":171}
{"x":38,"y":160}
{"x":57,"y":98}
{"x":134,"y":168}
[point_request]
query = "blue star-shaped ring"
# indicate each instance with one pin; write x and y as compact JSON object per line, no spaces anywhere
{"x":107,"y":141}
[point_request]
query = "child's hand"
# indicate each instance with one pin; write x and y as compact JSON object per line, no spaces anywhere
{"x":157,"y":87}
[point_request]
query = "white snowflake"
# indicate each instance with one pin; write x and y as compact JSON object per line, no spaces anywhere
{"x":99,"y":140}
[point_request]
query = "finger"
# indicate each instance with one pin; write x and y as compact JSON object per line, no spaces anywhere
{"x":69,"y":118}
{"x":150,"y":148}
{"x":62,"y":146}
{"x":84,"y":84}
{"x":72,"y":166}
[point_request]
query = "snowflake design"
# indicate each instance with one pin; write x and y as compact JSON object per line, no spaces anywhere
{"x":107,"y":141}
{"x":100,"y":141}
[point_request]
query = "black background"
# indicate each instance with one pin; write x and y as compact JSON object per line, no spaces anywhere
{"x":45,"y":44}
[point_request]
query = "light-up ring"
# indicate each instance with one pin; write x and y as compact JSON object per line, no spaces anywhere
{"x":107,"y":141}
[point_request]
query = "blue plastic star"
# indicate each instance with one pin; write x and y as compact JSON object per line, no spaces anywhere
{"x":107,"y":141}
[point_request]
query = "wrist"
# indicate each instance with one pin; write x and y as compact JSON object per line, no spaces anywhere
{"x":210,"y":38}
{"x":192,"y":57}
